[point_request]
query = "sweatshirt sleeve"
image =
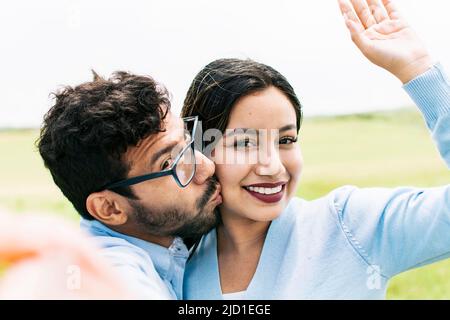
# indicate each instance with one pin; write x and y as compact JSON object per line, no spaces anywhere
{"x":399,"y":229}
{"x":431,"y":93}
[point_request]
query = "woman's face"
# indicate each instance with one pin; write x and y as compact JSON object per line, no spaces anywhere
{"x":258,"y":161}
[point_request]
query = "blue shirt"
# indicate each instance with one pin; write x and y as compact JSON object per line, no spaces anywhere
{"x":150,"y":271}
{"x":348,"y":244}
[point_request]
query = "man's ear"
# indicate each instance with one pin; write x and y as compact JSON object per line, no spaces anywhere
{"x":108,"y":207}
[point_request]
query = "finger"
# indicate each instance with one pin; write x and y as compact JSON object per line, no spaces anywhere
{"x":391,"y":9}
{"x":377,"y":10}
{"x":351,"y":19}
{"x":353,"y":23}
{"x":364,"y":13}
{"x":357,"y":36}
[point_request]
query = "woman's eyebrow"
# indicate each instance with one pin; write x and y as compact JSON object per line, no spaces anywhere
{"x":288,"y":127}
{"x":230,"y":132}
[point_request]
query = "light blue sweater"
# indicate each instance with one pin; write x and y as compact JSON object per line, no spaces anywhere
{"x":348,"y":244}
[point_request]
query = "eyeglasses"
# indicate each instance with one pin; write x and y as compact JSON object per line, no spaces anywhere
{"x":183,"y":167}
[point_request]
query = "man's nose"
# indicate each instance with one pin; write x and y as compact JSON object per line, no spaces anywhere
{"x":205,"y":168}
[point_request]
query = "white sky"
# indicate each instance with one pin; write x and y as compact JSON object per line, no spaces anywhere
{"x":46,"y":44}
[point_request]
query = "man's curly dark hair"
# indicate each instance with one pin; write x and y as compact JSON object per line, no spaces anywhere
{"x":90,"y":127}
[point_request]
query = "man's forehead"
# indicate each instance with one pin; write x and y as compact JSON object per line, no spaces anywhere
{"x":173,"y":127}
{"x":173,"y":121}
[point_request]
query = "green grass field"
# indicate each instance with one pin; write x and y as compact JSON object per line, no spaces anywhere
{"x":380,"y":149}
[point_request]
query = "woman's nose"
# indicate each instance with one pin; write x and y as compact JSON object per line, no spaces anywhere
{"x":269,"y":163}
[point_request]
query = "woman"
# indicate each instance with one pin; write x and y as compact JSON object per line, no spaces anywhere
{"x":271,"y":245}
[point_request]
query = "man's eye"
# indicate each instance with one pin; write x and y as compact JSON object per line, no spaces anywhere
{"x":166,"y":164}
{"x":288,"y":140}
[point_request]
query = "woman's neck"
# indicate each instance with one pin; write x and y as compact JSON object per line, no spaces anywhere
{"x":240,"y":243}
{"x":239,"y":235}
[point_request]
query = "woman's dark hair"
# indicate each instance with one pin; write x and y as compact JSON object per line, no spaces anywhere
{"x":218,"y":86}
{"x":89,"y":128}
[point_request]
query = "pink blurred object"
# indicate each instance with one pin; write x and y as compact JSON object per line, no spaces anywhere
{"x":49,"y":258}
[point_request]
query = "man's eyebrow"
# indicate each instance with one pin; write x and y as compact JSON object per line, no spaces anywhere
{"x":162,"y":152}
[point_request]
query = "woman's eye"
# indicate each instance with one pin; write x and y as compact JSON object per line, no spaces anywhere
{"x":244,"y":143}
{"x":288,"y":140}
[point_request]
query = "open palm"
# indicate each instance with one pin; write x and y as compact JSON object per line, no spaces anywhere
{"x":384,"y":37}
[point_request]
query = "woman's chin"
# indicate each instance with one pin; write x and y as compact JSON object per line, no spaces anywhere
{"x":247,"y":206}
{"x":264,"y":213}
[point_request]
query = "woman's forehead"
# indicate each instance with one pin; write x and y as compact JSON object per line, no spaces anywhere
{"x":269,"y":109}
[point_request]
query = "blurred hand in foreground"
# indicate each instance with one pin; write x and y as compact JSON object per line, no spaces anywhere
{"x":42,"y":257}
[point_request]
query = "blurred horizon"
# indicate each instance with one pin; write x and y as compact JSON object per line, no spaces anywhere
{"x":48,"y":44}
{"x":364,"y":114}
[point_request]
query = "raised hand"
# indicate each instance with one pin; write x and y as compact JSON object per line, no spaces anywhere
{"x":385,"y":38}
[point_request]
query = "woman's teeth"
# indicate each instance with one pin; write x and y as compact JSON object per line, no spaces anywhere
{"x":265,"y":190}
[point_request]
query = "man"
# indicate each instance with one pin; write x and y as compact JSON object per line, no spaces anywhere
{"x":129,"y":167}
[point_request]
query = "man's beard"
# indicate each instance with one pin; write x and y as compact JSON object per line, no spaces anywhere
{"x":175,"y":221}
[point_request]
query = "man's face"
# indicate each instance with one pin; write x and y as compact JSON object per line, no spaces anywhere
{"x":163,"y":208}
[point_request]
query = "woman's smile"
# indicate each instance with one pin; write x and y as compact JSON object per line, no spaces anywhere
{"x":267,"y":192}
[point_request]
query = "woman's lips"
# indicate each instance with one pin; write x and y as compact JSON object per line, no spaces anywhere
{"x":267,"y":185}
{"x":267,"y":198}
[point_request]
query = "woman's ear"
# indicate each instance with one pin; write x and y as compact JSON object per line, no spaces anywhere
{"x":108,"y":207}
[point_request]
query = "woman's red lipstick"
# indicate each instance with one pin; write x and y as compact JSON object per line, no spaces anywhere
{"x":267,"y":198}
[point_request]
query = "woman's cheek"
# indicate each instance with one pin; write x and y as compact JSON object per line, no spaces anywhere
{"x":294,"y":167}
{"x":297,"y":164}
{"x":220,"y":174}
